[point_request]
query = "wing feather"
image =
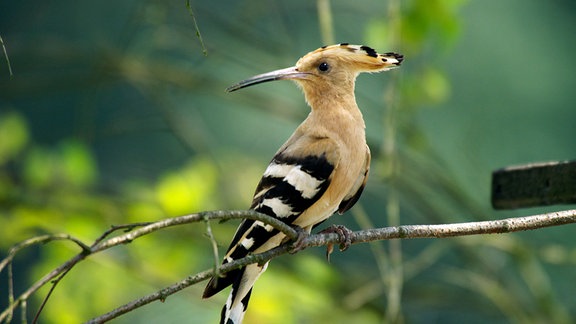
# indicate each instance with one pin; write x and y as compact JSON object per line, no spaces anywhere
{"x":293,"y":181}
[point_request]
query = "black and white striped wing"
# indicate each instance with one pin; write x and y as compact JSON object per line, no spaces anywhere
{"x":289,"y":186}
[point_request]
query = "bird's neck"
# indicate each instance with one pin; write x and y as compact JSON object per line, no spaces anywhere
{"x":334,"y":114}
{"x":327,"y":97}
{"x":333,"y":101}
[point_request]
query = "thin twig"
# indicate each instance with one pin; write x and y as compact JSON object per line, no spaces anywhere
{"x":54,"y":284}
{"x":114,"y":228}
{"x":194,"y":218}
{"x":7,"y":261}
{"x":10,"y":291}
{"x":7,"y":58}
{"x":214,"y":247}
{"x":39,"y":240}
{"x":191,"y":12}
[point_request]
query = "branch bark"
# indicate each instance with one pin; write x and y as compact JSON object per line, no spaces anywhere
{"x":315,"y":240}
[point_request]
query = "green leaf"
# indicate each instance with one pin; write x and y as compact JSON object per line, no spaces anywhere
{"x":13,"y":136}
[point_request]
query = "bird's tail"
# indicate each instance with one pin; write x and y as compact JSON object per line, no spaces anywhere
{"x":237,"y":303}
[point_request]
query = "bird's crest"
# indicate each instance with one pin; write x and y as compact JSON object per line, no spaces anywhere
{"x":360,"y":57}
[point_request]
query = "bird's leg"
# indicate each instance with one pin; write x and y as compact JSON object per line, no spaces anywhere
{"x":344,"y":234}
{"x":298,"y":244}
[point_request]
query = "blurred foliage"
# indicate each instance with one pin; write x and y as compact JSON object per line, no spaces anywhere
{"x":114,"y":115}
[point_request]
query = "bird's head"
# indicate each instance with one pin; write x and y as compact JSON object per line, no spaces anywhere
{"x":329,"y":68}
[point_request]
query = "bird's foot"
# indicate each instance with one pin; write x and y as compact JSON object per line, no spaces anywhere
{"x":298,"y":244}
{"x":344,"y":234}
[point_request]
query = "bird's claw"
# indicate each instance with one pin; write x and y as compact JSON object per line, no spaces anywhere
{"x":344,"y":234}
{"x":298,"y":244}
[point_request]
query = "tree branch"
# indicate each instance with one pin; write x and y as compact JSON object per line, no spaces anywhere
{"x":222,"y":215}
{"x":387,"y":233}
{"x":101,"y":245}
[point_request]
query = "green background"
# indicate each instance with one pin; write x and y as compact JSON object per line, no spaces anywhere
{"x":115,"y":115}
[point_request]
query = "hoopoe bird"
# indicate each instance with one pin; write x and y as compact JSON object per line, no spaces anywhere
{"x":320,"y":170}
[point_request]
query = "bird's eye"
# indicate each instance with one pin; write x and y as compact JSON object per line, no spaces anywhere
{"x":323,"y":67}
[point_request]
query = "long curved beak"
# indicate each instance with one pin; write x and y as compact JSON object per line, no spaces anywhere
{"x":283,"y":74}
